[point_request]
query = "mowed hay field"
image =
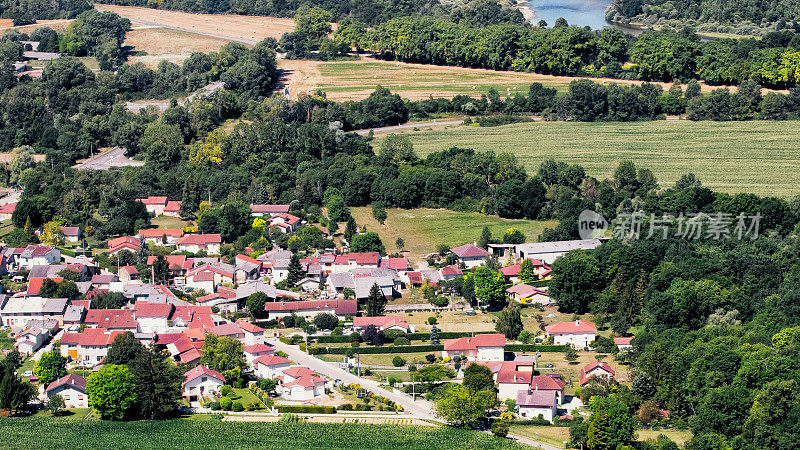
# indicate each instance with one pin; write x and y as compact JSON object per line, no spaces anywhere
{"x":759,"y":157}
{"x":423,"y":229}
{"x":166,"y":44}
{"x":355,"y":80}
{"x":235,"y":27}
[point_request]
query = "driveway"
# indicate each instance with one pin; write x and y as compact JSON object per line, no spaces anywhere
{"x":410,"y":125}
{"x":104,"y":161}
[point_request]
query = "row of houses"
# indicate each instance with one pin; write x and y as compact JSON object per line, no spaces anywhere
{"x":163,"y":206}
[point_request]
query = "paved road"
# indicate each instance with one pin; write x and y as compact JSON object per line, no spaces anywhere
{"x":420,"y":408}
{"x":112,"y":158}
{"x":410,"y":125}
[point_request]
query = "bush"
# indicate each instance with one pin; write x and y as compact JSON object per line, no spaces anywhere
{"x":535,"y":348}
{"x":391,"y":335}
{"x":500,"y":428}
{"x":226,"y":390}
{"x":237,"y":407}
{"x":346,"y":407}
{"x":251,"y":406}
{"x":215,"y":406}
{"x":430,"y":357}
{"x":432,"y":320}
{"x":225,"y":403}
{"x":398,"y":361}
{"x":402,"y":341}
{"x":440,"y":302}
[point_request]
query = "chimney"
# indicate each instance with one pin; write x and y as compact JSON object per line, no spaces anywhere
{"x":577,"y":323}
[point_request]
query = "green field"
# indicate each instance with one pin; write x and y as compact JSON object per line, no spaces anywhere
{"x":759,"y":157}
{"x":44,"y":432}
{"x":423,"y":229}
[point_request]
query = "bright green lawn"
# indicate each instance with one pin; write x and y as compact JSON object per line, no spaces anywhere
{"x":759,"y":157}
{"x":42,"y":432}
{"x":423,"y":229}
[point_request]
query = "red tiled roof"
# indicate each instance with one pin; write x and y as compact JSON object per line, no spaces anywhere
{"x":173,"y":206}
{"x":199,"y":239}
{"x":249,"y":259}
{"x":578,"y":326}
{"x":451,"y":271}
{"x":472,"y":343}
{"x":71,"y":380}
{"x":111,"y":318}
{"x":123,"y":240}
{"x":153,"y":233}
{"x":305,"y":381}
{"x":265,"y":209}
{"x":153,"y":200}
{"x":249,"y":327}
{"x":585,"y":376}
{"x":71,"y":231}
{"x":226,"y":329}
{"x":298,"y":372}
{"x":176,"y":262}
{"x":510,"y":271}
{"x":168,"y":338}
{"x":469,"y":251}
{"x":259,"y":348}
{"x":623,"y":340}
{"x":415,"y":277}
{"x":380,"y":321}
{"x":361,"y":259}
{"x":35,"y":285}
{"x":153,"y":310}
{"x":189,"y":356}
{"x":8,"y":208}
{"x":271,"y":360}
{"x":131,"y":270}
{"x":200,"y":371}
{"x":97,"y":337}
{"x":548,"y":382}
{"x":395,"y":263}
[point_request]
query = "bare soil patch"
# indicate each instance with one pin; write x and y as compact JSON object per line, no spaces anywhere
{"x":167,"y":44}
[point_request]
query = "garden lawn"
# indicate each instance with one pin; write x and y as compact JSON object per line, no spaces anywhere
{"x":678,"y":436}
{"x":554,"y":436}
{"x":423,"y":229}
{"x":758,"y":157}
{"x":41,"y":432}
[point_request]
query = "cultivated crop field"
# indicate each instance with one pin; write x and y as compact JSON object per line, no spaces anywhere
{"x":759,"y":157}
{"x":423,"y":229}
{"x":57,"y":433}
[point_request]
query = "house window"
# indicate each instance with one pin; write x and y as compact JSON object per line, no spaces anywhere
{"x":66,"y":398}
{"x":204,"y":379}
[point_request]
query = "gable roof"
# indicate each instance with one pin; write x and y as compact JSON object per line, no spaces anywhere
{"x":536,"y":399}
{"x":381,"y":322}
{"x":578,"y":326}
{"x":271,"y":360}
{"x":35,"y":285}
{"x":585,"y":371}
{"x":199,"y":239}
{"x":153,"y":310}
{"x":259,"y":348}
{"x":473,"y":343}
{"x":525,"y":291}
{"x":152,"y":233}
{"x":469,"y":251}
{"x":71,"y":380}
{"x":111,"y":318}
{"x":269,"y":209}
{"x":200,"y":371}
{"x":341,"y":307}
{"x":623,"y":340}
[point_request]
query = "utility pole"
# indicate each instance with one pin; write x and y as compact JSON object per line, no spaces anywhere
{"x":413,"y":388}
{"x":358,"y":363}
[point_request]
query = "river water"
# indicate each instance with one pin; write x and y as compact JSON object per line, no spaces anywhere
{"x":577,"y":12}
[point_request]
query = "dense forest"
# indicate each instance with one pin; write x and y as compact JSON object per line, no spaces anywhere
{"x":729,"y":16}
{"x":475,"y":12}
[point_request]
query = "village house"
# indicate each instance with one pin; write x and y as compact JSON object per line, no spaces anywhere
{"x":270,"y":366}
{"x":201,"y":382}
{"x":247,"y":268}
{"x":596,"y":369}
{"x":268,"y":210}
{"x":511,"y":272}
{"x":481,"y":347}
{"x":451,"y":272}
{"x":579,"y":334}
{"x":533,"y":403}
{"x":160,"y":236}
{"x":470,"y":255}
{"x":512,"y":377}
{"x":128,"y":273}
{"x":18,"y":311}
{"x":34,"y":255}
{"x":253,"y":334}
{"x":208,"y":276}
{"x":31,"y":339}
{"x":382,"y":323}
{"x":173,"y":208}
{"x":103,"y":281}
{"x":254,"y":351}
{"x":349,"y":261}
{"x":72,"y":388}
{"x":155,"y":204}
{"x":195,"y":243}
{"x":112,"y":319}
{"x":88,"y":347}
{"x":301,"y":384}
{"x":124,"y":243}
{"x":71,"y":234}
{"x":624,"y":344}
{"x":153,"y":317}
{"x":7,"y":211}
{"x":286,"y":223}
{"x":527,"y":294}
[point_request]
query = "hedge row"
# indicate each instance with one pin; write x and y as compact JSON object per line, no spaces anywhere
{"x":331,"y":339}
{"x":535,"y":348}
{"x":307,"y":409}
{"x":375,"y":350}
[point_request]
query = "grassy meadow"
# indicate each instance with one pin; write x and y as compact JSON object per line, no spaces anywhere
{"x":760,"y":157}
{"x":423,"y":229}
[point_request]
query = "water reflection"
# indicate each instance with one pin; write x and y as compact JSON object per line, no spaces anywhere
{"x":577,"y":12}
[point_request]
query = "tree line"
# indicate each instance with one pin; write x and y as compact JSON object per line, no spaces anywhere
{"x":574,"y":51}
{"x":25,"y":12}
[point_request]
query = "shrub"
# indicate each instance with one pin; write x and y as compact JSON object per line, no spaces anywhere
{"x":432,"y":320}
{"x":251,"y":406}
{"x":346,"y":407}
{"x":225,"y":403}
{"x":306,"y":409}
{"x":237,"y":406}
{"x":398,"y":361}
{"x":440,"y":302}
{"x":500,"y":428}
{"x":226,"y":390}
{"x":402,"y":341}
{"x":214,"y":406}
{"x":391,"y":335}
{"x":430,"y":357}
